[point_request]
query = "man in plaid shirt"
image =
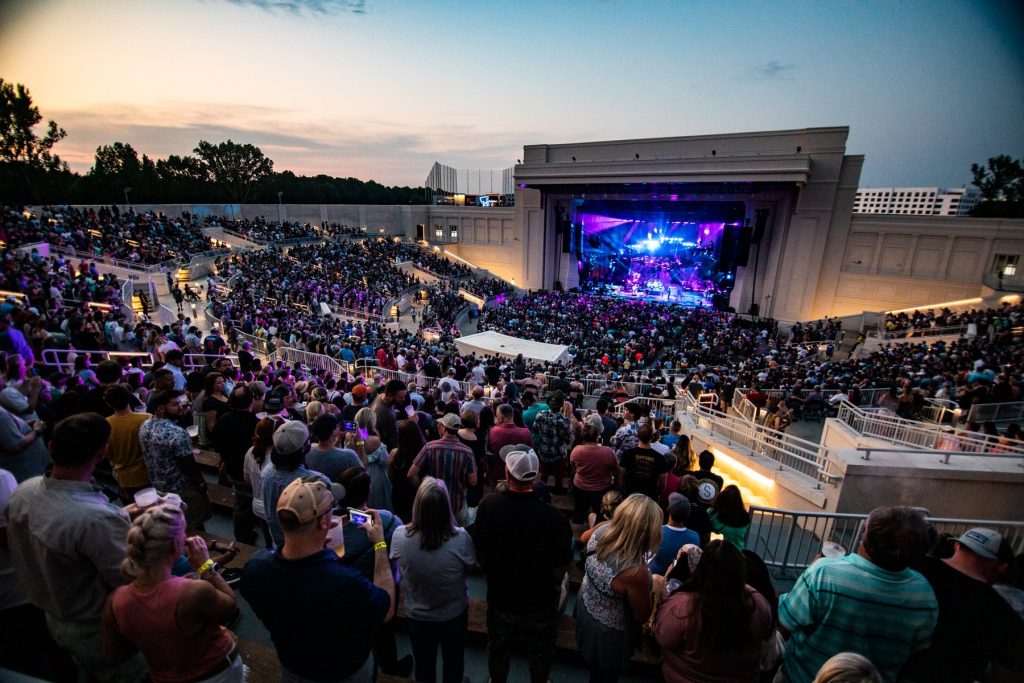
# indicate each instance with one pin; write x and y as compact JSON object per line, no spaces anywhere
{"x":552,"y":439}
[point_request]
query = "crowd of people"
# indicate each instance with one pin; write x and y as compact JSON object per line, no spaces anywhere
{"x":361,"y":487}
{"x":263,"y":230}
{"x":141,"y":238}
{"x":987,"y":322}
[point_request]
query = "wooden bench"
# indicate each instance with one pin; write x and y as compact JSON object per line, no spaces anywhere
{"x":207,"y":459}
{"x":265,"y":667}
{"x":221,"y":496}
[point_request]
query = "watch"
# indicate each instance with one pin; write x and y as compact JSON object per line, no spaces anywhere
{"x":210,"y":570}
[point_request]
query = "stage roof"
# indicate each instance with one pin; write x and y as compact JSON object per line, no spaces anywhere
{"x":497,"y":344}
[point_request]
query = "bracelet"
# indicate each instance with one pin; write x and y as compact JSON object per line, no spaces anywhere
{"x":205,"y":567}
{"x":360,"y":443}
{"x":380,"y":545}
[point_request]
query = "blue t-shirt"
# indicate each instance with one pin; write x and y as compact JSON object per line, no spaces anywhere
{"x":333,"y":462}
{"x":671,"y":541}
{"x":321,"y":614}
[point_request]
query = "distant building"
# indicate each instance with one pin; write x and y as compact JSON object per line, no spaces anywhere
{"x":917,"y":201}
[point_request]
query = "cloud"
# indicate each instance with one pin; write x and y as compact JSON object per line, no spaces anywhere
{"x":383,"y":150}
{"x":300,"y":7}
{"x":776,"y":71}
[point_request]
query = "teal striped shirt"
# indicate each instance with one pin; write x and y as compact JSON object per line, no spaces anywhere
{"x":848,"y":604}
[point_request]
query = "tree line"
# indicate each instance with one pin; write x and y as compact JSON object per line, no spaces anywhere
{"x":31,"y":173}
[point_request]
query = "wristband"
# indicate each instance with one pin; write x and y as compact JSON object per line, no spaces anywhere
{"x":380,"y":545}
{"x":205,"y":567}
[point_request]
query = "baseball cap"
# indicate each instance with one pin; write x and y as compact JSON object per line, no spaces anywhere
{"x":984,"y":542}
{"x":451,"y":421}
{"x":290,"y":437}
{"x":511,"y":448}
{"x":307,"y":498}
{"x":679,"y":506}
{"x":274,"y":402}
{"x":522,"y":465}
{"x":359,"y":392}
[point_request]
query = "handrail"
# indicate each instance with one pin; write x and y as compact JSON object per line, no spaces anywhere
{"x":791,"y":540}
{"x":915,"y":332}
{"x":790,"y":452}
{"x":317,"y":361}
{"x":58,"y":358}
{"x":1011,"y":411}
{"x":1012,"y":452}
{"x":918,"y":435}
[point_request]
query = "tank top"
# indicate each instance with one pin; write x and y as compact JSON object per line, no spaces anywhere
{"x":605,"y":605}
{"x":145,"y":618}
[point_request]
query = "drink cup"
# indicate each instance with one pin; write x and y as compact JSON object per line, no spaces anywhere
{"x":336,"y":536}
{"x":831,"y":549}
{"x":172,"y":499}
{"x":146,"y":497}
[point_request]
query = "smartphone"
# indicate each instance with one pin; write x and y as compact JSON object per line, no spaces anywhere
{"x":348,"y":426}
{"x":359,"y":517}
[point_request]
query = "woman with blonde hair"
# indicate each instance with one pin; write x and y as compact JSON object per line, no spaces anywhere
{"x":314,"y":409}
{"x":617,"y":579}
{"x":434,"y":555}
{"x":848,"y":667}
{"x":372,"y":451}
{"x":174,"y":621}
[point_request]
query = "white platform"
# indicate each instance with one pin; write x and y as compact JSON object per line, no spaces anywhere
{"x":495,"y":344}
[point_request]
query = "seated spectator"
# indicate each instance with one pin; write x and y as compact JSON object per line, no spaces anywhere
{"x":173,"y":621}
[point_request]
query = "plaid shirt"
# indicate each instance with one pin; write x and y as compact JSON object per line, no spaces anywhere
{"x":449,"y":459}
{"x":552,"y":436}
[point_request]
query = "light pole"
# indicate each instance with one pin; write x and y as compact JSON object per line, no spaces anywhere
{"x":126,"y":202}
{"x":280,"y":209}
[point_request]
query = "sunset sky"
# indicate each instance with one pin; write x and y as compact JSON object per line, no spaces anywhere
{"x":382,"y":89}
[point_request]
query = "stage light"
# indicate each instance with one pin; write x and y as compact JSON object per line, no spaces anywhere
{"x":707,"y":231}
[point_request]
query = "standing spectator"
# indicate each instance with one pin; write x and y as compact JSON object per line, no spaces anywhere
{"x":434,"y":555}
{"x":245,"y":357}
{"x":674,"y":535}
{"x":213,"y":343}
{"x":504,"y":433}
{"x":869,"y":602}
{"x":173,"y":621}
{"x":643,"y":468}
{"x":710,"y":483}
{"x":125,"y":453}
{"x":729,"y":517}
{"x":67,"y":542}
{"x":976,"y":625}
{"x":450,"y":460}
{"x":215,"y":402}
{"x":167,"y":450}
{"x":175,"y":361}
{"x":375,"y":456}
{"x":255,"y":462}
{"x":327,"y":607}
{"x":524,"y":547}
{"x":716,"y":625}
{"x":232,"y":436}
{"x":291,"y":443}
{"x":552,"y":434}
{"x":325,"y":456}
{"x":20,"y":395}
{"x":596,"y":472}
{"x":22,"y":449}
{"x":610,"y":426}
{"x":410,"y":443}
{"x":384,"y":406}
{"x":617,"y":580}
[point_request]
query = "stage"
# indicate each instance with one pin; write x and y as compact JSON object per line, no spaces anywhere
{"x":672,"y":251}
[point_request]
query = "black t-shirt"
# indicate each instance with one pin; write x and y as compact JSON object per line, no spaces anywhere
{"x":643,"y":466}
{"x":232,"y":437}
{"x":520,"y":540}
{"x":976,"y":625}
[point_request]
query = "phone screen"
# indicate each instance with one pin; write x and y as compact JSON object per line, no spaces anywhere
{"x":359,"y":517}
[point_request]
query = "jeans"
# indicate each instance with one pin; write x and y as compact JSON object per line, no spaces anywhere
{"x":242,"y":517}
{"x":451,"y":636}
{"x":535,"y":632}
{"x":82,"y":640}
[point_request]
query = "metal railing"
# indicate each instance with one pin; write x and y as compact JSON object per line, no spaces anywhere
{"x":981,"y":413}
{"x":354,"y":313}
{"x":197,"y":361}
{"x":922,"y":435}
{"x":316,"y":361}
{"x":790,"y":452}
{"x":918,"y":332}
{"x":940,"y":411}
{"x":64,"y":359}
{"x":789,"y":541}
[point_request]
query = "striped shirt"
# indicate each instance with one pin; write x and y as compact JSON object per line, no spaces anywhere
{"x":848,"y":604}
{"x":449,"y":459}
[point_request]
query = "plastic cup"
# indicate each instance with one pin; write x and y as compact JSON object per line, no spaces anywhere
{"x":336,"y":536}
{"x":172,"y":499}
{"x":831,"y":549}
{"x":146,"y":497}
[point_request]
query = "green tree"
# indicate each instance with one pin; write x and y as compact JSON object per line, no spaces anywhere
{"x":118,"y":160}
{"x":28,"y":165}
{"x":236,"y":168}
{"x":19,"y":142}
{"x":1002,"y":179}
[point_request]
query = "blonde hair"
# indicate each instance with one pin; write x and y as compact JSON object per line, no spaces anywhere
{"x":366,"y":419}
{"x":634,"y":531}
{"x":848,"y":667}
{"x":314,"y":409}
{"x":155,"y":534}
